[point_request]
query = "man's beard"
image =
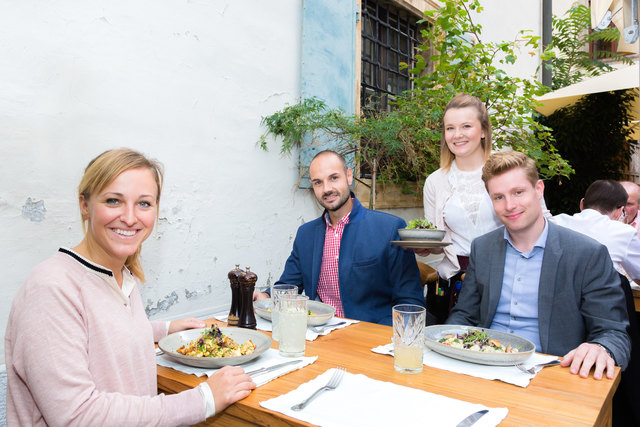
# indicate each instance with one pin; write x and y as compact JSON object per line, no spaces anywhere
{"x":341,"y":201}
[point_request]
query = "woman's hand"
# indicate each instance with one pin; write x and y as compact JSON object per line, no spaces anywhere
{"x":426,"y":252}
{"x":229,"y":385}
{"x":186,"y":323}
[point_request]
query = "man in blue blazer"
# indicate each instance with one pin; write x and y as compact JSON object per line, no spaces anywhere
{"x":345,"y":257}
{"x":546,"y":283}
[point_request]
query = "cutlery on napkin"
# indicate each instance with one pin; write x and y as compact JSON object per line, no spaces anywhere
{"x":360,"y":400}
{"x":267,"y":359}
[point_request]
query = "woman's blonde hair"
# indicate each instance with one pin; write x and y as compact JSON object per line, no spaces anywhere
{"x":101,"y":171}
{"x":463,"y":100}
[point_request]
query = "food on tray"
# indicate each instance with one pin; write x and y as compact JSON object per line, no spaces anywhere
{"x":420,"y":223}
{"x":213,"y":343}
{"x":476,"y":340}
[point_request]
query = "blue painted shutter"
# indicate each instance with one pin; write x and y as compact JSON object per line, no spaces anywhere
{"x":328,"y":62}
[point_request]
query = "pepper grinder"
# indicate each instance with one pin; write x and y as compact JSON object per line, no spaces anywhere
{"x":247,"y":281}
{"x":234,"y":312}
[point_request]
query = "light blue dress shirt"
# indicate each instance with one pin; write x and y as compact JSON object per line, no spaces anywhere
{"x":517,"y":311}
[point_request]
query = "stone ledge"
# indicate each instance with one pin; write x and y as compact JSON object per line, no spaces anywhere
{"x":388,"y":195}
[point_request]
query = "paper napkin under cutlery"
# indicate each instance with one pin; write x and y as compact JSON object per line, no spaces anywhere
{"x":507,"y":374}
{"x":360,"y":400}
{"x":265,"y":325}
{"x":268,"y":358}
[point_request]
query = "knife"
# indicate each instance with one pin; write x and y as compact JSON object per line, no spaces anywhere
{"x":272,"y":368}
{"x":471,"y":419}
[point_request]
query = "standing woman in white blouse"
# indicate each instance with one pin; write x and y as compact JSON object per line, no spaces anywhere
{"x":455,"y":198}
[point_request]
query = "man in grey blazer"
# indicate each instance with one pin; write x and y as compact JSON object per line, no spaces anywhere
{"x":546,"y":283}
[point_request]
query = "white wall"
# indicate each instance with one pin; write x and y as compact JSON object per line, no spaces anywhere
{"x":502,"y":20}
{"x":186,"y":82}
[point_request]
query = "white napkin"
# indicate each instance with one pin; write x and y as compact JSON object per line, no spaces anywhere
{"x":265,"y":325}
{"x":507,"y":374}
{"x":328,"y":327}
{"x":268,"y":358}
{"x":362,"y":401}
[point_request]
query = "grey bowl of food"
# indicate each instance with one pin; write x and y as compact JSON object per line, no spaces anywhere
{"x":408,"y":234}
{"x":319,"y":313}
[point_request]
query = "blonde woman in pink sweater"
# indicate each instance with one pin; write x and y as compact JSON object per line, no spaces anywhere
{"x":79,"y":348}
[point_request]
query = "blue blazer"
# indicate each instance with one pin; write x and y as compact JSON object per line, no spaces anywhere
{"x":579,"y":299}
{"x":374,"y":275}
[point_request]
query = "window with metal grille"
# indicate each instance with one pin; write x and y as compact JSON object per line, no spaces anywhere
{"x":389,"y":37}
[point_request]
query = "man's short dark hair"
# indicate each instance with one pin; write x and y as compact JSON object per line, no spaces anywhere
{"x":605,"y":196}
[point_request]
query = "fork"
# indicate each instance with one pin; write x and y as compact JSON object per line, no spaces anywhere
{"x":323,"y":328}
{"x":532,"y":370}
{"x":334,"y":382}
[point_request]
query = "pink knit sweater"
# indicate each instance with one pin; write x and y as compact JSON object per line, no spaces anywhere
{"x":77,"y":354}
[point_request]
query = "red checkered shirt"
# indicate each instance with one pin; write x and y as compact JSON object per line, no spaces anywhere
{"x":328,"y":283}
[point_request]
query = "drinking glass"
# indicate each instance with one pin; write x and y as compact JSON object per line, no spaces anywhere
{"x":293,"y":324}
{"x":408,"y":338}
{"x":276,"y":292}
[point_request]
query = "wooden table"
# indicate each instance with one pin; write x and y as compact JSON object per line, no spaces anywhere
{"x":554,"y":396}
{"x":636,"y":299}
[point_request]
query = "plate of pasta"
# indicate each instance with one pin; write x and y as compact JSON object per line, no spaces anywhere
{"x":478,"y":345}
{"x":214,"y":347}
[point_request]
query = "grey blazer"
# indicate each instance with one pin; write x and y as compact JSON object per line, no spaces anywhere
{"x":579,"y":300}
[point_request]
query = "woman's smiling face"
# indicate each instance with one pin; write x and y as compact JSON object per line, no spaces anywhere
{"x":463,"y":132}
{"x":120,"y":217}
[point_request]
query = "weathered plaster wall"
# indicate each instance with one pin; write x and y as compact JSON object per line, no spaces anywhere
{"x":186,"y":82}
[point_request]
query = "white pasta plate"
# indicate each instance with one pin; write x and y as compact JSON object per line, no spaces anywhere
{"x":433,"y":334}
{"x":321,"y":312}
{"x":171,"y":343}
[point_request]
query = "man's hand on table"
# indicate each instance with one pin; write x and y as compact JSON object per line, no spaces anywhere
{"x":186,"y":323}
{"x":257,"y":295}
{"x":229,"y":385}
{"x":583,"y":358}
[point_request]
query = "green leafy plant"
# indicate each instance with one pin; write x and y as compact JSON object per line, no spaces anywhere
{"x":568,"y":57}
{"x":404,"y":144}
{"x":597,"y":123}
{"x":420,"y":223}
{"x":594,"y":134}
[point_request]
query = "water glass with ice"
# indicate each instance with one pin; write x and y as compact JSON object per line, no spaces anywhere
{"x":293,"y":324}
{"x":276,"y":292}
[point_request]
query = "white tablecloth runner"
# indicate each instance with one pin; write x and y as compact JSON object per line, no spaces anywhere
{"x":507,"y":374}
{"x":268,"y":358}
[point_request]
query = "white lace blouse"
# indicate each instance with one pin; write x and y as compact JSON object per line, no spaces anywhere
{"x":468,"y":213}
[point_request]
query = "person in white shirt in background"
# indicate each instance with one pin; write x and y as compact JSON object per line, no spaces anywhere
{"x":631,"y":208}
{"x":601,"y":208}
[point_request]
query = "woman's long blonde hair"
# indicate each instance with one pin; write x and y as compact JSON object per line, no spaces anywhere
{"x":101,"y":171}
{"x":463,"y":100}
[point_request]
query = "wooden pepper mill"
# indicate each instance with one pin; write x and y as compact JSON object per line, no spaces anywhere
{"x":247,"y":281}
{"x":234,"y":312}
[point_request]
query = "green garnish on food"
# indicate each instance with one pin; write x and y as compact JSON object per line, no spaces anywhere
{"x":420,"y":223}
